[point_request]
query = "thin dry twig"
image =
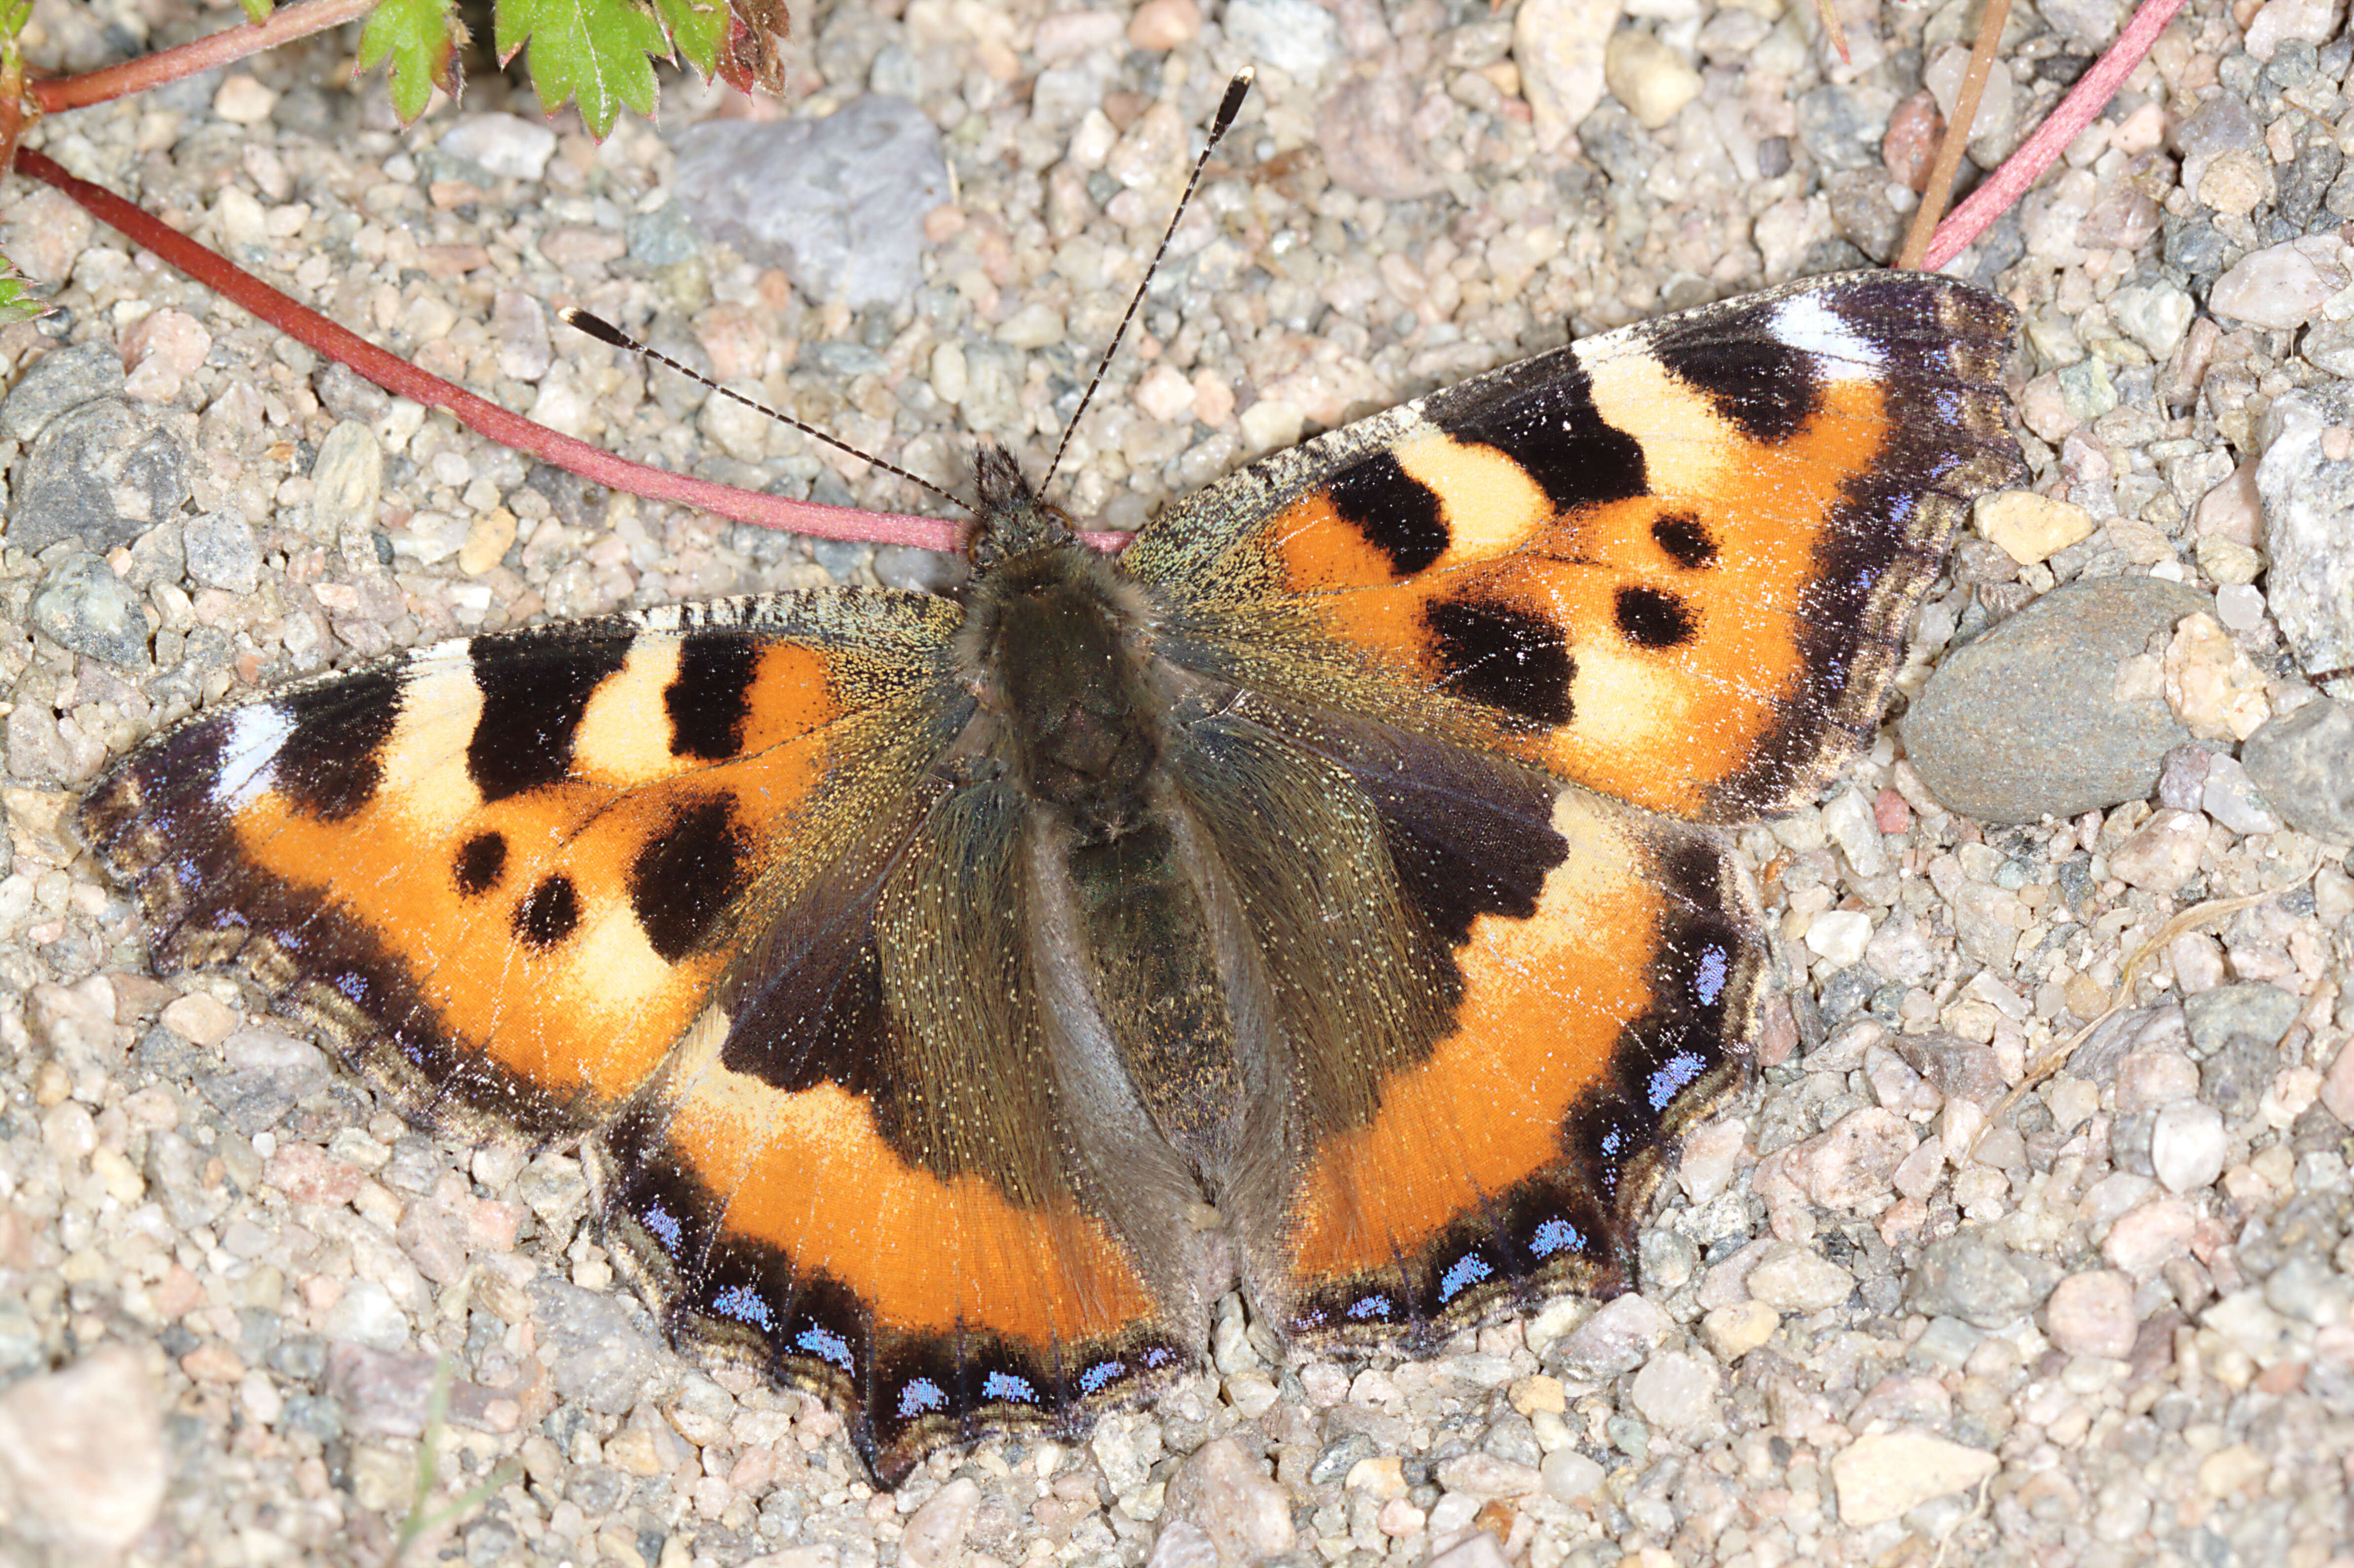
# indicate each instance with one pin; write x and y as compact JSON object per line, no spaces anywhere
{"x":2142,"y":957}
{"x":1958,"y":136}
{"x":2023,"y":168}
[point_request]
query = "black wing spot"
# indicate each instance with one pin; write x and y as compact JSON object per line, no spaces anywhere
{"x":1685,"y":541}
{"x":710,"y":697}
{"x":1396,"y":512}
{"x":549,"y":912}
{"x":1556,"y":433}
{"x":481,"y":860}
{"x":1504,"y":658}
{"x":688,"y":875}
{"x":532,"y":702}
{"x":331,"y":759}
{"x":1764,"y":386}
{"x":1649,"y":618}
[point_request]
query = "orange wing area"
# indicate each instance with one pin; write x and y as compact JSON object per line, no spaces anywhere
{"x":1513,"y":1161}
{"x":1671,"y":564}
{"x":499,"y":870}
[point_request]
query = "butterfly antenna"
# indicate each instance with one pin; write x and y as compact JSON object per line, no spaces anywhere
{"x":1228,"y":107}
{"x":604,"y":330}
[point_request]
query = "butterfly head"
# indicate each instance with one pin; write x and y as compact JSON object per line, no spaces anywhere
{"x":1009,"y":519}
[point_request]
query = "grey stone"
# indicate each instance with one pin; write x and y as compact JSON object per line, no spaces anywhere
{"x":2260,"y":1011}
{"x":221,"y":552}
{"x":2308,"y":502}
{"x":1973,"y":1276}
{"x":506,"y":146}
{"x":664,"y":237}
{"x":2222,"y":124}
{"x":83,"y":606}
{"x":1338,"y":1457}
{"x":1842,"y":126}
{"x":65,"y":378}
{"x":2233,"y":1080}
{"x":2303,"y":763}
{"x":603,"y":1354}
{"x":102,"y":472}
{"x":1616,"y":1339}
{"x":2026,"y":721}
{"x":347,"y":395}
{"x":838,"y":201}
{"x":388,"y":1393}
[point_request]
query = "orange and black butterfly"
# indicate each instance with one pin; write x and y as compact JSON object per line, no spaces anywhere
{"x":954,"y":995}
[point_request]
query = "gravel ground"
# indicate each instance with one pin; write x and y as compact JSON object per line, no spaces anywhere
{"x":1905,"y":1302}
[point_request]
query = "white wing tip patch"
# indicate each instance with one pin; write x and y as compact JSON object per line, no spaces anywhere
{"x":1804,"y":323}
{"x":249,"y":746}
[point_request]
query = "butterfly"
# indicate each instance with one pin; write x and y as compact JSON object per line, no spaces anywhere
{"x":953,"y":996}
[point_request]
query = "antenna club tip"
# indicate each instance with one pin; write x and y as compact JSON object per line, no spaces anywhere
{"x":595,"y":326}
{"x":1230,"y":105}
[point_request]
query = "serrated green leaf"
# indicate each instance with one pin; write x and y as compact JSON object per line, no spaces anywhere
{"x":592,"y":53}
{"x":17,"y":302}
{"x":697,"y":27}
{"x":420,"y":39}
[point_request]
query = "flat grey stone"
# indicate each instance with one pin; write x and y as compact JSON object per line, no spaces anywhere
{"x":102,"y":472}
{"x":2025,"y":722}
{"x":2301,"y":762}
{"x":603,"y":1354}
{"x":2260,"y":1011}
{"x":1973,"y":1276}
{"x":839,"y":201}
{"x":83,"y":606}
{"x":64,"y":379}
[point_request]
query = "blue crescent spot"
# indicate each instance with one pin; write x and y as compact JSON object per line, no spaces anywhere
{"x":1009,"y":1388}
{"x":921,"y":1396}
{"x":353,"y":985}
{"x":1160,"y":1356}
{"x":1368,"y":1308}
{"x":1613,"y":1141}
{"x":1466,"y":1271}
{"x":826,"y":1345}
{"x":1708,"y":978}
{"x":1673,"y":1077}
{"x":1101,"y":1375}
{"x":745,"y":1305}
{"x":664,"y":1227}
{"x":1556,"y":1236}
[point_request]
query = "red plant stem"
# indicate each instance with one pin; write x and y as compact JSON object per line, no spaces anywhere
{"x":398,"y":376}
{"x":283,"y":27}
{"x":2023,"y":168}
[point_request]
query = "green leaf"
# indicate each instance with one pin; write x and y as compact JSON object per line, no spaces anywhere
{"x":592,"y":52}
{"x":697,"y":27}
{"x":257,"y":10}
{"x":421,"y":39}
{"x":17,"y":302}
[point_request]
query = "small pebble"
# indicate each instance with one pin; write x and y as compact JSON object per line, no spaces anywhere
{"x":506,"y":146}
{"x":2092,"y":1314}
{"x":1795,"y":1279}
{"x":2187,"y":1145}
{"x":1732,"y":1332}
{"x":82,"y":1450}
{"x":2030,"y":528}
{"x":83,"y":606}
{"x":1560,"y":46}
{"x":1884,"y":1475}
{"x":2214,"y":688}
{"x":242,"y":101}
{"x":2282,"y":286}
{"x":1651,"y":79}
{"x":2164,"y":854}
{"x":1163,"y":24}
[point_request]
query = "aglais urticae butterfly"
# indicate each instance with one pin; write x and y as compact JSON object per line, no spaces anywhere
{"x":952,"y":996}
